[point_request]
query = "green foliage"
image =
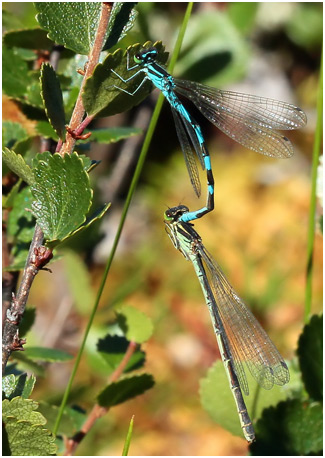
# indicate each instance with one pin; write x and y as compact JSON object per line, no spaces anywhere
{"x":100,"y":98}
{"x":292,"y":428}
{"x":24,"y":432}
{"x":311,"y":343}
{"x":17,"y":164}
{"x":21,"y":223}
{"x":214,"y":50}
{"x":13,"y":386}
{"x":28,"y":39}
{"x":47,"y":354}
{"x":27,"y":321}
{"x":123,"y":390}
{"x":136,"y":326}
{"x":215,"y":386}
{"x":78,"y":29}
{"x":15,"y":78}
{"x":72,"y":419}
{"x":113,"y":348}
{"x":12,"y":134}
{"x":79,"y":282}
{"x":52,"y":98}
{"x":62,"y":195}
{"x":113,"y":134}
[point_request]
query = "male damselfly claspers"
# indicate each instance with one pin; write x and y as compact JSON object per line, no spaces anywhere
{"x":248,"y":119}
{"x":241,"y":339}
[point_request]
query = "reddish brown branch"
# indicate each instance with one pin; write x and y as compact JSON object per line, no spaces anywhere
{"x":98,"y":411}
{"x":79,"y":111}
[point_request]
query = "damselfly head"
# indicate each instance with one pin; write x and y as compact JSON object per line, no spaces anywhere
{"x":173,"y":214}
{"x":145,"y":56}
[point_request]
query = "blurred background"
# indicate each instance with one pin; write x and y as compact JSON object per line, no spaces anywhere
{"x":257,"y":232}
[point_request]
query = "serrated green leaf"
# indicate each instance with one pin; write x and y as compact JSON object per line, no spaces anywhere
{"x":125,"y":389}
{"x":292,"y":428}
{"x":25,"y":436}
{"x":136,"y":325}
{"x":112,"y":135}
{"x":121,"y":21}
{"x":53,"y":100}
{"x":22,"y":409}
{"x":15,"y":78}
{"x":17,"y":164}
{"x":47,"y":354}
{"x":90,"y":220}
{"x":21,"y":222}
{"x":28,"y":39}
{"x":14,"y":386}
{"x":72,"y":24}
{"x":100,"y":98}
{"x":78,"y":279}
{"x":62,"y":195}
{"x":217,"y":398}
{"x":310,"y":354}
{"x":113,"y":349}
{"x":128,"y":438}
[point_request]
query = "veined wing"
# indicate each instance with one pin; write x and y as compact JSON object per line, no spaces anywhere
{"x":248,"y":342}
{"x":188,"y":153}
{"x":248,"y":119}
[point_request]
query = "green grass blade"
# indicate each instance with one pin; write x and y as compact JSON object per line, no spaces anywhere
{"x":312,"y":208}
{"x":128,"y":439}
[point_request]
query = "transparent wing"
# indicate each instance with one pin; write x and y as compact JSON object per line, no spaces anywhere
{"x":188,"y":153}
{"x":248,"y":119}
{"x":248,"y":342}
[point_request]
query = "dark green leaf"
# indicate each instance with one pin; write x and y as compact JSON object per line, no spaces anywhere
{"x":125,"y":389}
{"x":16,"y":163}
{"x":101,"y":98}
{"x":292,"y":428}
{"x":52,"y":98}
{"x":72,"y":24}
{"x":47,"y":354}
{"x":21,"y":223}
{"x":136,"y":325}
{"x":113,"y":348}
{"x":310,"y":353}
{"x":62,"y":195}
{"x":30,"y":39}
{"x":113,"y":134}
{"x":15,"y":78}
{"x":19,"y":254}
{"x":121,"y":21}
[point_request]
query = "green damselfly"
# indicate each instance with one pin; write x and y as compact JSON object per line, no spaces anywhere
{"x":240,"y":337}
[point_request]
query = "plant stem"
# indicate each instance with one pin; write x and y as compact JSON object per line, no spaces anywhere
{"x":312,"y":208}
{"x":93,"y":59}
